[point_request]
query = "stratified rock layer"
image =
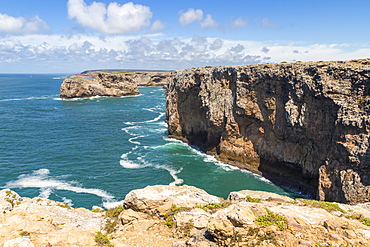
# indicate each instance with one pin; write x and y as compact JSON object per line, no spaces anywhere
{"x":305,"y":125}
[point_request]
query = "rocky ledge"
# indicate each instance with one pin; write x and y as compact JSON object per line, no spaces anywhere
{"x":180,"y":216}
{"x":114,"y":83}
{"x":303,"y":125}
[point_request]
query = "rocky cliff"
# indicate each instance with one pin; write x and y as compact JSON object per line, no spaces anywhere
{"x":303,"y":125}
{"x":181,"y":216}
{"x":115,"y":84}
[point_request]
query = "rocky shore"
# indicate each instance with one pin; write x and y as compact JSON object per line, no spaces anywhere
{"x":180,"y":216}
{"x":113,"y":83}
{"x":302,"y":125}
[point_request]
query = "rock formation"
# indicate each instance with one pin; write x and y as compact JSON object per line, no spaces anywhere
{"x":115,"y":84}
{"x":180,"y":216}
{"x":104,"y":84}
{"x":303,"y":125}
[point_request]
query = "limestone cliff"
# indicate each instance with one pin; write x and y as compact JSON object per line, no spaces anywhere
{"x":113,"y":83}
{"x":181,"y":216}
{"x":304,"y":125}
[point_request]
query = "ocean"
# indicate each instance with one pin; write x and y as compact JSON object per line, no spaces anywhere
{"x":93,"y":151}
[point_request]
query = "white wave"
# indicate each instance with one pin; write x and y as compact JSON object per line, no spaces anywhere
{"x":96,"y":97}
{"x":124,"y":156}
{"x":127,"y":129}
{"x":29,"y":98}
{"x":129,"y":164}
{"x":157,"y":118}
{"x":68,"y":201}
{"x":58,"y":78}
{"x":41,"y":179}
{"x":45,"y":192}
{"x":173,"y":174}
{"x":131,"y":140}
{"x":112,"y":204}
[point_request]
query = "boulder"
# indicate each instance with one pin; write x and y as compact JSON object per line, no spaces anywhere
{"x":160,"y":198}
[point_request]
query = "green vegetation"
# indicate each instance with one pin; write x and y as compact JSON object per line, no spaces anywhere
{"x":8,"y":192}
{"x":328,"y":206}
{"x":272,"y":219}
{"x":208,"y":67}
{"x":113,"y":214}
{"x":169,"y":214}
{"x":63,"y":205}
{"x":102,"y":240}
{"x":97,"y":210}
{"x":360,"y":218}
{"x":24,"y":233}
{"x":251,"y":199}
{"x":214,"y":206}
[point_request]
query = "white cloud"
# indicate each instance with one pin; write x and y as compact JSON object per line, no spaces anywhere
{"x":191,"y":15}
{"x":21,"y":25}
{"x":240,"y":22}
{"x":51,"y":53}
{"x":216,"y":45}
{"x":208,"y":23}
{"x":157,"y":25}
{"x":111,"y":19}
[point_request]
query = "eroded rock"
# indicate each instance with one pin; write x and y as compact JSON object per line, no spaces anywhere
{"x":304,"y":125}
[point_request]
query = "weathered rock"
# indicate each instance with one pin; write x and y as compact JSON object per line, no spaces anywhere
{"x":114,"y":83}
{"x":304,"y":125}
{"x":160,"y":198}
{"x":104,"y":84}
{"x":267,"y":221}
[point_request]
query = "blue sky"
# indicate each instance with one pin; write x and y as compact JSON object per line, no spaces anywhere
{"x":68,"y":36}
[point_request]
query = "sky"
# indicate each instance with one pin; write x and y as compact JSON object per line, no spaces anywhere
{"x":70,"y":36}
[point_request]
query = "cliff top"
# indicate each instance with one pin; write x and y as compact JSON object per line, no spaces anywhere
{"x":182,"y":216}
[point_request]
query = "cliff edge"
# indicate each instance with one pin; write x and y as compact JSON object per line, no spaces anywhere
{"x":303,"y":125}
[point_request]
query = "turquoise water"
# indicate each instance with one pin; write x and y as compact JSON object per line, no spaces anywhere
{"x":94,"y":151}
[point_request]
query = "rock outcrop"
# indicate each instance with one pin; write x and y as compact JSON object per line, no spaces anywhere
{"x":246,"y":218}
{"x":104,"y":84}
{"x":114,"y":84}
{"x":303,"y":125}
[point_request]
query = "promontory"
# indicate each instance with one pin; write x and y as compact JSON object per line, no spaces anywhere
{"x":110,"y":83}
{"x":303,"y":125}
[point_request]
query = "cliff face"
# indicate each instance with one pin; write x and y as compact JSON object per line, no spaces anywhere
{"x":114,"y":84}
{"x":304,"y":125}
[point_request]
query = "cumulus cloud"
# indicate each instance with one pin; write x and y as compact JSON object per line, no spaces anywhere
{"x":240,"y":22}
{"x":52,"y":53}
{"x":21,"y":25}
{"x":191,"y":15}
{"x":157,"y":25}
{"x":237,"y":49}
{"x":265,"y":49}
{"x":208,"y":23}
{"x":216,"y":45}
{"x":111,"y":19}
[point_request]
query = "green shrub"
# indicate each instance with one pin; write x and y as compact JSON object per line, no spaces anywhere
{"x":102,"y":240}
{"x":251,"y":199}
{"x":24,"y":233}
{"x":270,"y":219}
{"x":114,"y":212}
{"x":328,"y":206}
